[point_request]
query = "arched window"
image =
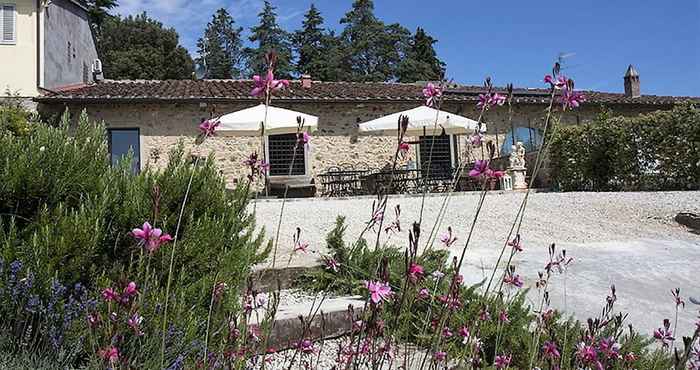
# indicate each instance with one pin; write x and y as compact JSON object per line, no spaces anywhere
{"x":530,"y":137}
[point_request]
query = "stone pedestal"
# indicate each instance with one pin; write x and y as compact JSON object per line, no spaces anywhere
{"x":518,"y":175}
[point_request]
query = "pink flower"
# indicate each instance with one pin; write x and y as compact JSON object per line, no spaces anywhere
{"x":571,"y":99}
{"x":331,"y":263}
{"x":267,"y":85}
{"x":379,"y":291}
{"x":586,"y":353}
{"x":151,"y":238}
{"x":446,"y":332}
{"x":431,"y":93}
{"x":301,"y":246}
{"x":404,"y":147}
{"x":208,"y":127}
{"x":502,"y":361}
{"x":218,"y":291}
{"x":557,"y":83}
{"x":550,"y":350}
{"x":676,"y":293}
{"x":484,"y":315}
{"x":665,"y":334}
{"x":306,"y":346}
{"x":482,"y":169}
{"x":487,"y":101}
{"x":108,"y":294}
{"x":110,"y":354}
{"x":476,"y":139}
{"x":424,"y":293}
{"x":516,"y":244}
{"x":440,"y":356}
{"x":464,"y":332}
{"x":130,"y":290}
{"x":447,"y":239}
{"x":415,"y":272}
{"x":513,"y":279}
{"x":304,"y":138}
{"x":134,"y":322}
{"x":503,"y":317}
{"x":94,"y":320}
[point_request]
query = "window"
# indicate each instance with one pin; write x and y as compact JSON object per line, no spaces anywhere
{"x":123,"y":141}
{"x":8,"y":20}
{"x":530,"y":137}
{"x":441,"y":159}
{"x":280,"y":150}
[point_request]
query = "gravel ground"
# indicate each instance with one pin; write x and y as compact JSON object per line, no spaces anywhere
{"x":550,"y":217}
{"x":626,"y":239}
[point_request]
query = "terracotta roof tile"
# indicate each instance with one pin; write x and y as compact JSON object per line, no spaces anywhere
{"x":152,"y":90}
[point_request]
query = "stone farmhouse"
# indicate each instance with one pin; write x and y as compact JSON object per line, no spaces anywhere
{"x":152,"y":116}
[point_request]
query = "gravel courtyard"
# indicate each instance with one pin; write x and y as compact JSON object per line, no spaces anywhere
{"x":629,"y":239}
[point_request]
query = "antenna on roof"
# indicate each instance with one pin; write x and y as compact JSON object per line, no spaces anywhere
{"x":560,"y":59}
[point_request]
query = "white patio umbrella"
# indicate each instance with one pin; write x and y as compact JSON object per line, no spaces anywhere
{"x":248,"y":122}
{"x":421,"y":120}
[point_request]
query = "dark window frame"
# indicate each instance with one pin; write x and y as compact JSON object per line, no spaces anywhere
{"x":437,"y":168}
{"x":282,"y":145}
{"x":137,"y":150}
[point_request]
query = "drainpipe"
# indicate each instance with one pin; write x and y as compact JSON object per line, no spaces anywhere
{"x":39,"y":45}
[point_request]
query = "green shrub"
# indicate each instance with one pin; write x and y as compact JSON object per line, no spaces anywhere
{"x":14,"y":118}
{"x":655,"y":151}
{"x":66,"y":213}
{"x":358,"y":262}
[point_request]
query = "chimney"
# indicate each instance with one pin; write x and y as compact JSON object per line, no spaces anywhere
{"x":306,"y":81}
{"x":632,"y":89}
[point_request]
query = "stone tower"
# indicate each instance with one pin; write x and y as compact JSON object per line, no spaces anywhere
{"x":632,"y":82}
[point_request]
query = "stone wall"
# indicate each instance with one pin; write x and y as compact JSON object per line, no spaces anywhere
{"x":337,"y":141}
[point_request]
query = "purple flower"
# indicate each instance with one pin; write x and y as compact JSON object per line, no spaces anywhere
{"x":447,"y":239}
{"x":208,"y":127}
{"x":476,"y":139}
{"x":306,"y":346}
{"x":108,"y":294}
{"x":503,"y":317}
{"x":665,"y":334}
{"x":676,"y":293}
{"x":502,"y":361}
{"x":586,"y":353}
{"x":431,"y":93}
{"x":331,"y":263}
{"x":151,"y":238}
{"x":379,"y":291}
{"x":109,"y":354}
{"x":439,"y":356}
{"x":516,"y":244}
{"x":571,"y":99}
{"x":550,"y":350}
{"x":489,"y":100}
{"x":557,"y":83}
{"x":423,"y":293}
{"x":267,"y":85}
{"x":513,"y":279}
{"x":482,"y":169}
{"x":304,"y":138}
{"x":134,"y":323}
{"x":415,"y":272}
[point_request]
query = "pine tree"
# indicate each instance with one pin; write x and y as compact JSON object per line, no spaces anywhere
{"x":270,"y":37}
{"x":309,"y":41}
{"x":220,"y":48}
{"x":373,"y":49}
{"x":421,"y":62}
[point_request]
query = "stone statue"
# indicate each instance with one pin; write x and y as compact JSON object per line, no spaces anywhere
{"x":517,"y":166}
{"x":517,"y":155}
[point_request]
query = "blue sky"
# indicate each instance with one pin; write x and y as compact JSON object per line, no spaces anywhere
{"x":511,"y":41}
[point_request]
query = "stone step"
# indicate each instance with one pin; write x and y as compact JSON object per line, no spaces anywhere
{"x":331,"y":320}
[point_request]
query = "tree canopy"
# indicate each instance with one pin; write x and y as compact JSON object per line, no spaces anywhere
{"x":269,"y":36}
{"x":221,"y":48}
{"x":365,"y":49}
{"x":139,"y":47}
